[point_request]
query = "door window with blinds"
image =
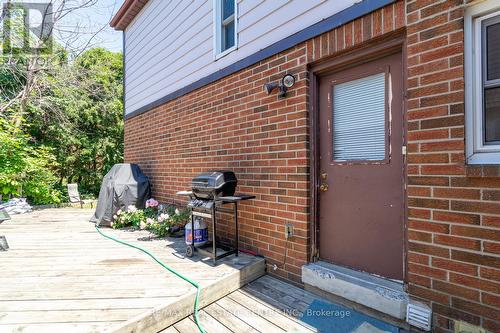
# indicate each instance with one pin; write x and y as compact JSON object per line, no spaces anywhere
{"x":359,"y":117}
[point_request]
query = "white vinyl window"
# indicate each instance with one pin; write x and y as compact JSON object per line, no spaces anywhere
{"x":225,"y":27}
{"x":359,"y":119}
{"x":482,"y":76}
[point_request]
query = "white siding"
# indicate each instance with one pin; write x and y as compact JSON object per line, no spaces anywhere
{"x":170,"y":43}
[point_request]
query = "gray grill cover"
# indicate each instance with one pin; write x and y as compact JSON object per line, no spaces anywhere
{"x":123,"y":185}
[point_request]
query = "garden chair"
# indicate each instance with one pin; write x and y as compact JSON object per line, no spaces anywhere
{"x":4,"y":246}
{"x":74,"y":196}
{"x":4,"y":216}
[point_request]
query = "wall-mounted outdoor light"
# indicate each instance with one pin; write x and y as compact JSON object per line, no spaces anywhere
{"x":286,"y":82}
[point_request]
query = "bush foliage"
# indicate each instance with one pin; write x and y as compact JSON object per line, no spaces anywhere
{"x":157,"y":219}
{"x":26,"y":169}
{"x":69,"y":129}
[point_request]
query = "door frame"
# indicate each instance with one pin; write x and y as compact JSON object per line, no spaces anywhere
{"x":377,"y":48}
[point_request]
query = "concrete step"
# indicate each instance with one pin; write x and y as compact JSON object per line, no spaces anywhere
{"x":380,"y":294}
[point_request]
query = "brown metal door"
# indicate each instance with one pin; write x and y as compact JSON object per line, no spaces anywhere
{"x":361,"y":197}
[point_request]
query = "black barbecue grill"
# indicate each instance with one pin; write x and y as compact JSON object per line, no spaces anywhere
{"x":209,"y":185}
{"x":210,"y":193}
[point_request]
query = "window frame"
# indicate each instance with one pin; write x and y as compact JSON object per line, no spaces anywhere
{"x":477,"y":151}
{"x":218,"y":31}
{"x":387,"y":116}
{"x":495,"y":83}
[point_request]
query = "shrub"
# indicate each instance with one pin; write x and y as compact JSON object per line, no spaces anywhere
{"x":155,"y":218}
{"x":26,"y":170}
{"x":132,"y":217}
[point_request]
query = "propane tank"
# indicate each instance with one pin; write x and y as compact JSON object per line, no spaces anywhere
{"x":200,"y":232}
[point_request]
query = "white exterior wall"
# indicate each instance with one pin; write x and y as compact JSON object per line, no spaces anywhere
{"x":170,"y":43}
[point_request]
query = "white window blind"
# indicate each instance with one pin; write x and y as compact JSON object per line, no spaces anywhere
{"x":359,"y":119}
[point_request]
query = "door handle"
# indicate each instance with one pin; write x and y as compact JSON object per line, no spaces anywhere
{"x":323,"y":187}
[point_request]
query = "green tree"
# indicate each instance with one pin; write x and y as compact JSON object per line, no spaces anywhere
{"x":82,"y":117}
{"x":71,"y":125}
{"x":26,"y":169}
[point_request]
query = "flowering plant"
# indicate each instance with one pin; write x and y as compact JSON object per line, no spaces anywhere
{"x":168,"y":218}
{"x":151,"y":203}
{"x":157,"y":221}
{"x":126,"y":218}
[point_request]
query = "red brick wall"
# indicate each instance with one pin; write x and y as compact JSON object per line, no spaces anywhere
{"x":233,"y":124}
{"x":454,"y":213}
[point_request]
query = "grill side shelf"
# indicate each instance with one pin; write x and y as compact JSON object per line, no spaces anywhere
{"x":234,"y":198}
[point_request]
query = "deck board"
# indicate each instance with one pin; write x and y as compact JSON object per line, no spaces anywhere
{"x":226,"y":318}
{"x":60,"y":275}
{"x":248,"y":310}
{"x":268,"y":305}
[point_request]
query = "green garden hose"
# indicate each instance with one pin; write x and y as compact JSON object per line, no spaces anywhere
{"x":171,"y":270}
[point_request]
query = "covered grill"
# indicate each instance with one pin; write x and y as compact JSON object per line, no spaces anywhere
{"x":210,"y":191}
{"x":123,"y":185}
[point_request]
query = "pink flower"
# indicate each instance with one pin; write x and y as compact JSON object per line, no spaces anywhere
{"x":151,"y":203}
{"x":143,"y":225}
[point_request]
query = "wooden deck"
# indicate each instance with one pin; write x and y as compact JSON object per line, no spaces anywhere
{"x":268,"y":305}
{"x":60,"y":275}
{"x":265,"y":305}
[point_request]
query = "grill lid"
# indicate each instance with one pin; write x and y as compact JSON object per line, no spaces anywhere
{"x":208,"y":184}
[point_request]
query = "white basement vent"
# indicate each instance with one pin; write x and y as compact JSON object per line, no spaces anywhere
{"x":419,"y":315}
